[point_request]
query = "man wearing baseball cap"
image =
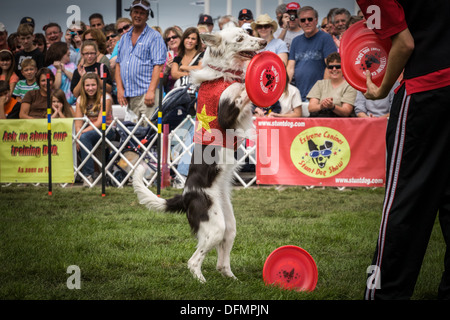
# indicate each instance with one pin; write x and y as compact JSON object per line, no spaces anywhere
{"x":27,"y":20}
{"x":140,"y":59}
{"x":206,"y":20}
{"x":245,"y":16}
{"x":290,"y":26}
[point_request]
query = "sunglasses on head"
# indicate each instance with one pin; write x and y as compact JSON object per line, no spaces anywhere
{"x":125,"y":27}
{"x":145,"y":2}
{"x":337,"y":66}
{"x":171,"y":38}
{"x":303,"y":20}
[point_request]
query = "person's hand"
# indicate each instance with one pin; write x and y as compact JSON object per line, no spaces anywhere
{"x":149,"y":98}
{"x":58,"y":65}
{"x":121,"y":97}
{"x":337,"y":42}
{"x":373,"y":92}
{"x":259,"y":112}
{"x":169,"y":63}
{"x":285,"y":20}
{"x":326,"y":104}
{"x":81,"y":70}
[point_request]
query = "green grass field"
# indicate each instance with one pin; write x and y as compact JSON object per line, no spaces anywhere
{"x":126,"y":252}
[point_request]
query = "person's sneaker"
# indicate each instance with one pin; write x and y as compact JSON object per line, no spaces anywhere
{"x":88,"y":181}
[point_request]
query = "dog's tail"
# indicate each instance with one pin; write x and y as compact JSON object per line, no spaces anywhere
{"x":151,"y":200}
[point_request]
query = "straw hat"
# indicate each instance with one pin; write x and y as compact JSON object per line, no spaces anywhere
{"x":263,"y":20}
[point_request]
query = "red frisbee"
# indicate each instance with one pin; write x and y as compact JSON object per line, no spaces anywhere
{"x":361,"y":50}
{"x":356,"y":30}
{"x":292,"y":268}
{"x":265,"y":79}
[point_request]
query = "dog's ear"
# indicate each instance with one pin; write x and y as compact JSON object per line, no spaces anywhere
{"x":210,"y":39}
{"x":312,"y":146}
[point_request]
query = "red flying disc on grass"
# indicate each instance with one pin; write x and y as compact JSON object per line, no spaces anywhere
{"x":361,"y":50}
{"x":292,"y":268}
{"x":265,"y":79}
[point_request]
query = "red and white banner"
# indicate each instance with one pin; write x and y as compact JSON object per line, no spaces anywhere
{"x":344,"y":152}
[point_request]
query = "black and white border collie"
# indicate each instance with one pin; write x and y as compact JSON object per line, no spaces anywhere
{"x":206,"y":197}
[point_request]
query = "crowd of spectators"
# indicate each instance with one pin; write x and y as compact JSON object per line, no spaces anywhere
{"x":302,"y":42}
{"x":129,"y":56}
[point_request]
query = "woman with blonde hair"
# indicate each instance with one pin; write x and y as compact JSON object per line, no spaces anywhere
{"x":264,"y":27}
{"x":90,"y":104}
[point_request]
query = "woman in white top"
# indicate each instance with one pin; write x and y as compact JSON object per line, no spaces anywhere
{"x":264,"y":27}
{"x":290,"y":102}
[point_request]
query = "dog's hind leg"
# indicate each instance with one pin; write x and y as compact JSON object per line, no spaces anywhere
{"x":224,"y":247}
{"x":210,"y":234}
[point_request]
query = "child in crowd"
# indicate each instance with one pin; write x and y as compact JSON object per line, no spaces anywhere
{"x":7,"y":69}
{"x":29,"y":70}
{"x":90,"y":104}
{"x":9,"y":107}
{"x":290,"y":101}
{"x":58,"y":60}
{"x":25,"y":33}
{"x":89,"y":52}
{"x":40,"y":42}
{"x":60,"y":107}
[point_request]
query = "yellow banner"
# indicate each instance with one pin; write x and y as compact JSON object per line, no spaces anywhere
{"x":24,"y":151}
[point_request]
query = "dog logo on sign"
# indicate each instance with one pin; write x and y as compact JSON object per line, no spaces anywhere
{"x":320,"y":152}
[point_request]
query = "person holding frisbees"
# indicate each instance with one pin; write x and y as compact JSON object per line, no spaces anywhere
{"x":418,"y":142}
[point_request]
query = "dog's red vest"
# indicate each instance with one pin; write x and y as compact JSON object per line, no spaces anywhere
{"x":207,"y":128}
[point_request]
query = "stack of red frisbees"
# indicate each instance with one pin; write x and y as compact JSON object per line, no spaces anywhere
{"x":265,"y":79}
{"x":361,"y":50}
{"x":291,"y":268}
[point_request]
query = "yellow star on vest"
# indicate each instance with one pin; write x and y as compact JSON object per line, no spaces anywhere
{"x":204,"y":120}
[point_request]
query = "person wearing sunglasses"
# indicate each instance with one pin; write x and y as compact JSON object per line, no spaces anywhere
{"x":306,"y":63}
{"x":290,"y":27}
{"x":245,"y":16}
{"x":122,"y":26}
{"x":332,"y":97}
{"x":140,"y":61}
{"x":264,"y":27}
{"x":75,"y":41}
{"x":172,"y":36}
{"x":112,"y":37}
